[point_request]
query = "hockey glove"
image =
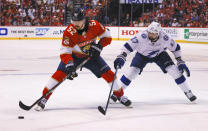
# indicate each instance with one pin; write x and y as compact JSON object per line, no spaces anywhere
{"x":120,"y":60}
{"x":95,"y":50}
{"x":182,"y":66}
{"x":71,"y":70}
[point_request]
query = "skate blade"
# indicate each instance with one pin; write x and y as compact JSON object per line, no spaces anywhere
{"x":38,"y":108}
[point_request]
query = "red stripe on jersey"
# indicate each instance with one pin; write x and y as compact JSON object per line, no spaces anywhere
{"x":59,"y":76}
{"x":105,"y":41}
{"x":66,"y":57}
{"x":108,"y":76}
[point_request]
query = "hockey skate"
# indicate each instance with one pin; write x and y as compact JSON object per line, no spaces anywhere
{"x":114,"y":98}
{"x":190,"y":96}
{"x":41,"y":105}
{"x":118,"y":95}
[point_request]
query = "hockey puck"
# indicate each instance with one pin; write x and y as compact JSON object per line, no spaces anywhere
{"x":20,"y":117}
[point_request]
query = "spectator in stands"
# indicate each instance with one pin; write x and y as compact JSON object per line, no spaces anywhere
{"x":27,"y":21}
{"x":135,"y":23}
{"x":45,"y":22}
{"x":126,"y":20}
{"x":106,"y":20}
{"x":174,"y":23}
{"x":114,"y":22}
{"x":31,"y":12}
{"x":141,"y":23}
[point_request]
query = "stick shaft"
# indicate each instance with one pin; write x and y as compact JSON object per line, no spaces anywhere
{"x":111,"y":90}
{"x":25,"y":107}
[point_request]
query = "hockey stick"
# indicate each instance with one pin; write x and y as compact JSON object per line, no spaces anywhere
{"x":100,"y":108}
{"x":27,"y":108}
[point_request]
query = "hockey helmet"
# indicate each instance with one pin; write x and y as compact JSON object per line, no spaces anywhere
{"x":78,"y":18}
{"x":78,"y":14}
{"x":154,"y":27}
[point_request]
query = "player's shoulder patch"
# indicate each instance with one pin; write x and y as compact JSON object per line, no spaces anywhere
{"x":66,"y":40}
{"x":144,"y":36}
{"x":165,"y":37}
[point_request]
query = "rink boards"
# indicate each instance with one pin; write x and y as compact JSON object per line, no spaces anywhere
{"x":181,"y":35}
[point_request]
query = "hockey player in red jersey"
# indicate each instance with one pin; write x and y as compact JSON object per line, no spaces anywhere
{"x":78,"y":44}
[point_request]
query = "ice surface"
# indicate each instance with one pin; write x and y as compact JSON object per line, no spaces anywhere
{"x":158,"y":104}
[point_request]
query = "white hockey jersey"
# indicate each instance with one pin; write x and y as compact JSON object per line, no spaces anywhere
{"x":143,"y":45}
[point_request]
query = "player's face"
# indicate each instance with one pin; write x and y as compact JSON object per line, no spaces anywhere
{"x":79,"y":24}
{"x":152,"y":36}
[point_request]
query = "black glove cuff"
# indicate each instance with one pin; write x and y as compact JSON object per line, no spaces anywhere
{"x":124,"y":54}
{"x":178,"y":59}
{"x":69,"y":63}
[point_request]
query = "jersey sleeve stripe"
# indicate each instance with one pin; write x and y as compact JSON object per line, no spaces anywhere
{"x":66,"y":50}
{"x":106,"y":33}
{"x":128,"y":47}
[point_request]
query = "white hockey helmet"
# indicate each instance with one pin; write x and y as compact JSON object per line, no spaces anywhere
{"x":154,"y":27}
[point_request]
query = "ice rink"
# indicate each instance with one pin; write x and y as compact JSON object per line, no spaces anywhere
{"x":158,"y":104}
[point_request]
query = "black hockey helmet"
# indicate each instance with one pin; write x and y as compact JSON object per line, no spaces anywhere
{"x":78,"y":14}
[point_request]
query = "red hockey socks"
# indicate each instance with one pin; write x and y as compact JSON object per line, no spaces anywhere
{"x":118,"y":93}
{"x":57,"y":77}
{"x":108,"y":76}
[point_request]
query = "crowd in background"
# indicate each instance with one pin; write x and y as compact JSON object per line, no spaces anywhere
{"x":170,"y":13}
{"x":181,"y":13}
{"x":32,"y":12}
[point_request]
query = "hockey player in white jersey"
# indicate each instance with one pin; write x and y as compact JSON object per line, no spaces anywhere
{"x":150,"y":46}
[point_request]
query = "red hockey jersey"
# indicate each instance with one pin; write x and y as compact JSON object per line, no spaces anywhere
{"x":79,"y":45}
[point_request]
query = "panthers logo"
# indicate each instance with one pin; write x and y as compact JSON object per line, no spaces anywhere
{"x":86,"y":49}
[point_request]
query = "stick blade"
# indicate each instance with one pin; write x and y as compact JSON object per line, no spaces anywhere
{"x":100,"y":108}
{"x":23,"y":106}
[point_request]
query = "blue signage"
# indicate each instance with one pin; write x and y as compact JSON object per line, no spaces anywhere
{"x":140,"y":1}
{"x":58,"y":32}
{"x":3,"y":31}
{"x":41,"y":31}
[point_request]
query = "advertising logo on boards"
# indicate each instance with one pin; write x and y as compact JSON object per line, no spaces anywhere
{"x":41,"y":31}
{"x":58,"y":32}
{"x":196,"y":34}
{"x":186,"y":33}
{"x":129,"y":32}
{"x":3,"y":31}
{"x":171,"y":31}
